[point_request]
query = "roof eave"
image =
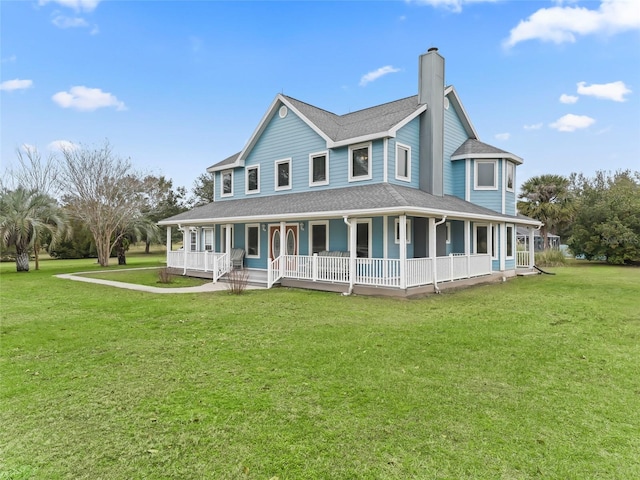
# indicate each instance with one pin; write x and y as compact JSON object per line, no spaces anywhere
{"x":491,"y":156}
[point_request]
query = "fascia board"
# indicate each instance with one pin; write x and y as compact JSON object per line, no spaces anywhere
{"x":309,"y":123}
{"x":257,"y":132}
{"x":402,"y":123}
{"x":464,"y":117}
{"x":360,"y":139}
{"x":357,"y":213}
{"x":490,"y":156}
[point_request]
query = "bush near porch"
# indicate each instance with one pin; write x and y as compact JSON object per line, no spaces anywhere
{"x":534,"y":378}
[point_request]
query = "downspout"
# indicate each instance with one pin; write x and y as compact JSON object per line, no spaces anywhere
{"x":351,"y":254}
{"x":435,"y":272}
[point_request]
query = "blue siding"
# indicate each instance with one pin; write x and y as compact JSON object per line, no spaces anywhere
{"x":407,"y":135}
{"x":458,"y":179}
{"x":491,"y":199}
{"x":457,"y":237}
{"x":510,"y":203}
{"x":454,"y":136}
{"x":338,"y":235}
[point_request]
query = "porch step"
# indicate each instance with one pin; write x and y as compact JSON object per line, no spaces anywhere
{"x":524,"y":273}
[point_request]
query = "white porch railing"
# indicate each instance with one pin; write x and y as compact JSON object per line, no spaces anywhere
{"x":522,"y":259}
{"x":217,"y":263}
{"x":274,"y":270}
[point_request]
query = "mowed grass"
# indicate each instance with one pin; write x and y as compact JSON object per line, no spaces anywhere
{"x":146,"y":276}
{"x":538,"y":377}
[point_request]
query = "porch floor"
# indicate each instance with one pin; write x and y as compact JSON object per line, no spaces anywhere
{"x":256,"y":277}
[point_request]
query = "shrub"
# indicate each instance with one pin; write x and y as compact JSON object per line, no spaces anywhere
{"x":164,"y":276}
{"x":238,"y":279}
{"x":550,"y":258}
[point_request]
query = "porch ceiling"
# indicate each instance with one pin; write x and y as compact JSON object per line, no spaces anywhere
{"x":373,"y":199}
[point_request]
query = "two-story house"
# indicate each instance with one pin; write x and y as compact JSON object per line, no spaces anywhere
{"x":398,"y":198}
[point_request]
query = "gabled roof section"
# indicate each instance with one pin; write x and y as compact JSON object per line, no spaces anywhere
{"x":476,"y":149}
{"x":224,"y":164}
{"x":451,"y":93}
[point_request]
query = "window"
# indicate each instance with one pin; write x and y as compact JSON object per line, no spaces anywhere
{"x":223,"y":239}
{"x":208,"y":239}
{"x":509,"y":241}
{"x":511,"y":176}
{"x":363,"y":239}
{"x":253,"y":179}
{"x":319,"y":169}
{"x":319,"y":237}
{"x":252,"y":234}
{"x":448,"y":231}
{"x":486,"y":175}
{"x":193,"y":240}
{"x":397,"y":230}
{"x":403,"y":162}
{"x":283,"y":174}
{"x":360,"y":162}
{"x":227,"y":183}
{"x":481,"y":239}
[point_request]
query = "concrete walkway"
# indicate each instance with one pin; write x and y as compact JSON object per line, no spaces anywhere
{"x":207,"y":287}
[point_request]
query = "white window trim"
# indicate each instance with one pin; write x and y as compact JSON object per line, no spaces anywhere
{"x":370,"y":245}
{"x":193,"y":235}
{"x":275,"y":180}
{"x":222,"y":174}
{"x":326,"y":167}
{"x":408,"y":149}
{"x":246,"y":239}
{"x":510,"y":166}
{"x":246,"y":180}
{"x":310,"y":227}
{"x":448,"y":232}
{"x":491,"y":230}
{"x":223,"y":239}
{"x":367,"y":145}
{"x":213,"y":239}
{"x":396,"y":230}
{"x":513,"y":241}
{"x":475,"y":175}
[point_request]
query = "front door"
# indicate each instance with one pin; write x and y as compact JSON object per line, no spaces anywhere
{"x":290,"y":246}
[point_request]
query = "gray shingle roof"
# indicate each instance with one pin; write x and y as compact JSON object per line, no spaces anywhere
{"x":476,"y":147}
{"x":227,"y":161}
{"x":362,"y":122}
{"x":332,"y":201}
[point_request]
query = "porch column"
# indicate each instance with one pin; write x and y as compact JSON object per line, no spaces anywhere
{"x":403,"y":251}
{"x":168,"y":243}
{"x":432,"y":247}
{"x":185,"y":247}
{"x":532,"y":258}
{"x":283,"y":248}
{"x":502,"y":231}
{"x":467,"y":245}
{"x":352,"y":252}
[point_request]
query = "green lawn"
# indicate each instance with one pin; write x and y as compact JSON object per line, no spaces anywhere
{"x":146,"y":276}
{"x":534,"y":378}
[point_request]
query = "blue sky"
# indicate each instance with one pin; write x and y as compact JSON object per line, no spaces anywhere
{"x":177,"y":86}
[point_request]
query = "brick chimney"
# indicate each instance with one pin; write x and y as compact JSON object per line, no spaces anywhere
{"x":431,"y":92}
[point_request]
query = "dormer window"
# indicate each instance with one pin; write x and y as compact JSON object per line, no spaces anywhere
{"x":360,"y":162}
{"x":226,"y":179}
{"x":486,"y":175}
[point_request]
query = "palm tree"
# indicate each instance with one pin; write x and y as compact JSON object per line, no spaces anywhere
{"x":546,"y":198}
{"x":24,"y":217}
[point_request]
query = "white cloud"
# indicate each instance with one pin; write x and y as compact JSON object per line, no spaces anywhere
{"x":62,"y":145}
{"x":571,"y":123}
{"x":534,"y":126}
{"x":87,"y":99}
{"x":609,"y":91}
{"x":453,"y":5}
{"x":564,"y":98}
{"x":62,"y":21}
{"x":77,"y":5}
{"x":503,"y":136}
{"x":17,"y":84}
{"x":376,"y":74}
{"x":562,"y":24}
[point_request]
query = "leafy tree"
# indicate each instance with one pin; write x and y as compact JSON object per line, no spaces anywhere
{"x":25,"y":215}
{"x":203,"y":187}
{"x":160,"y":201}
{"x":79,"y":244}
{"x":607,"y":220}
{"x":102,"y":192}
{"x":546,"y":198}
